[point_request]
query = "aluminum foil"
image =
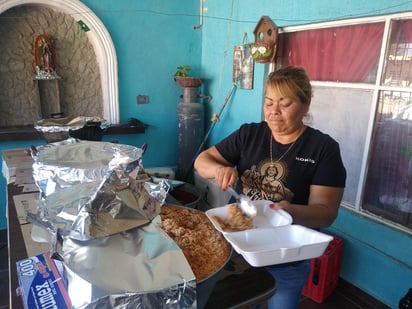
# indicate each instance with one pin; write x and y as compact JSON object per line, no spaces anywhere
{"x":140,"y":268}
{"x":66,"y":123}
{"x":87,"y":191}
{"x":103,"y":217}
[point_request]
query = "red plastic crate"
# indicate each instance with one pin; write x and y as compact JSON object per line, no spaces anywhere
{"x":324,"y":274}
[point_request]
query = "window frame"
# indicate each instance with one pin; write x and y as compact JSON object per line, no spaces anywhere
{"x":376,"y":88}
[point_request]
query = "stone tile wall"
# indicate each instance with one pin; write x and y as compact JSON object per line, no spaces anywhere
{"x":80,"y":87}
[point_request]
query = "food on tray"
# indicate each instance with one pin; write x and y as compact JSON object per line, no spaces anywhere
{"x":236,"y":220}
{"x":205,"y":249}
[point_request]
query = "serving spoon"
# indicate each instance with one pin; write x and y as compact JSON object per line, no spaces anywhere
{"x":244,"y":202}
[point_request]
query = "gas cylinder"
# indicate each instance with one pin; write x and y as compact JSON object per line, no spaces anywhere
{"x":191,"y":123}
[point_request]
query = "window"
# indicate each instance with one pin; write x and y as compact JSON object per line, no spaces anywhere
{"x":361,"y":73}
{"x":388,"y":190}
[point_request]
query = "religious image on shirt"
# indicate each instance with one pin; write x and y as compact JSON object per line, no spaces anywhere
{"x":265,"y":182}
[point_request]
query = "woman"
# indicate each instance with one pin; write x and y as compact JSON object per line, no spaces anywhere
{"x":298,"y":166}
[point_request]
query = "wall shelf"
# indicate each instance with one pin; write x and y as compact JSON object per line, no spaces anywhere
{"x":26,"y":133}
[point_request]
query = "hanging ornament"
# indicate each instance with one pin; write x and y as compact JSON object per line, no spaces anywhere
{"x":243,"y":65}
{"x":266,"y":35}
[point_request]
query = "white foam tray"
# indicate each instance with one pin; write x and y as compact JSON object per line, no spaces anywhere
{"x":265,"y":216}
{"x":277,"y":245}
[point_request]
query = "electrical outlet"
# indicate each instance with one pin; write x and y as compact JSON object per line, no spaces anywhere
{"x":142,"y":99}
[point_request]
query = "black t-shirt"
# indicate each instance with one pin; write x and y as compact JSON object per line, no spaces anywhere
{"x":313,"y":159}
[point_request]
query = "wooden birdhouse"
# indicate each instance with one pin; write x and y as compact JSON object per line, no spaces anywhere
{"x":266,"y":35}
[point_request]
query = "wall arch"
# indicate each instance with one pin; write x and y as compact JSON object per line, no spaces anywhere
{"x":102,"y":44}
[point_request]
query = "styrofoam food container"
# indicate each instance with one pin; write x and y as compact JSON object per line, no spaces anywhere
{"x":283,"y":244}
{"x":265,"y":216}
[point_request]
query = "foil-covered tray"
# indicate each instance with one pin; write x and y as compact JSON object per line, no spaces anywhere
{"x":56,"y":129}
{"x":87,"y":191}
{"x":103,"y":223}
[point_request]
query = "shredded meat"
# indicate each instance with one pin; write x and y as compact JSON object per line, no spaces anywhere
{"x":236,"y":220}
{"x":205,"y":248}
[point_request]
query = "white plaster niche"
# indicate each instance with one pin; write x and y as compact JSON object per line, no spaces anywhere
{"x":100,"y":40}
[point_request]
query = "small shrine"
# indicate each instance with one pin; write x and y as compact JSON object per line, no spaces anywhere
{"x":48,"y":82}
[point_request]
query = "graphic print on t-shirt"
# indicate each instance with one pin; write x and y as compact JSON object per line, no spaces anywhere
{"x":265,"y":181}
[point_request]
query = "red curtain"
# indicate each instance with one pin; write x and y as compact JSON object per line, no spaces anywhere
{"x":406,"y":30}
{"x":345,"y":54}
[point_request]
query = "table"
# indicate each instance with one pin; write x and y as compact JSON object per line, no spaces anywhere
{"x":236,"y":288}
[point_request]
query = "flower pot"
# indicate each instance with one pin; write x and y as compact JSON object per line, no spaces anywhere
{"x":189,"y":82}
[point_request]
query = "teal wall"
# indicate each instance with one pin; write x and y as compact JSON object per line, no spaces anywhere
{"x":153,"y":37}
{"x":376,"y":258}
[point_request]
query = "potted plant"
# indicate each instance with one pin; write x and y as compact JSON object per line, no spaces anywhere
{"x":182,"y":77}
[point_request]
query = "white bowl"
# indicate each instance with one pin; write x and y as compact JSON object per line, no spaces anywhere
{"x":277,"y":245}
{"x":265,"y":217}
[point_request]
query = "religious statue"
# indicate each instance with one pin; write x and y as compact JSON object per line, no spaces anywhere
{"x":45,"y":57}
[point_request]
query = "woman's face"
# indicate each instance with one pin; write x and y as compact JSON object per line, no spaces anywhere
{"x":283,"y":114}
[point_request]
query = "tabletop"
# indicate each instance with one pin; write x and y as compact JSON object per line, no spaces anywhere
{"x":236,"y":287}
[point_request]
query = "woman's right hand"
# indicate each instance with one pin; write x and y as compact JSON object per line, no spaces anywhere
{"x":211,"y":164}
{"x":225,"y":176}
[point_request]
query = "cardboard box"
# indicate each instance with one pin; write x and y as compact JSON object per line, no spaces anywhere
{"x":14,"y":159}
{"x":41,"y":284}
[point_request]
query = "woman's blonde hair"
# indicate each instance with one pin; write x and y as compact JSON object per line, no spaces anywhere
{"x":292,"y":82}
